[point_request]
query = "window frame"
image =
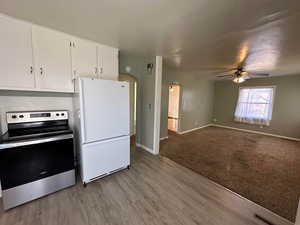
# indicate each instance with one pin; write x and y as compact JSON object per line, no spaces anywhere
{"x":258,"y":87}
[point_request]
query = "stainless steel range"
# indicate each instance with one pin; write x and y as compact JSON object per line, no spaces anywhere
{"x":36,"y":156}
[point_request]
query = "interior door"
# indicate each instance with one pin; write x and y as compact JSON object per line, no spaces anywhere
{"x":53,"y":60}
{"x":16,"y":61}
{"x":108,"y":62}
{"x":105,"y":109}
{"x":84,"y":58}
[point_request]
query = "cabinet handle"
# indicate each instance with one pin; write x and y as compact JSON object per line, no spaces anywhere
{"x":74,"y":45}
{"x":41,"y":71}
{"x":31,"y":70}
{"x":101,"y":70}
{"x":96,"y":70}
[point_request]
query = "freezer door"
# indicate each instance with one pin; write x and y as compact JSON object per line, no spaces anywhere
{"x":105,"y":157}
{"x":105,"y":109}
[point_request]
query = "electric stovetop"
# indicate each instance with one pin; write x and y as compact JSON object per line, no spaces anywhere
{"x":34,"y":130}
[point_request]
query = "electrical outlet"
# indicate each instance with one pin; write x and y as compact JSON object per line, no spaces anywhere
{"x":215,"y":120}
{"x":196,"y":123}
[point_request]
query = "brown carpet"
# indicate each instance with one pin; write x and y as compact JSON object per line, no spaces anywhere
{"x":265,"y":170}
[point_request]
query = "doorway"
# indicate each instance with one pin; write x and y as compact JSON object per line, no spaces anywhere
{"x":133,"y":102}
{"x":173,"y":108}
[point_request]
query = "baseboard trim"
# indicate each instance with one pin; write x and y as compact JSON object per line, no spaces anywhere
{"x":191,"y":130}
{"x":163,"y":138}
{"x":145,"y":148}
{"x":256,"y":132}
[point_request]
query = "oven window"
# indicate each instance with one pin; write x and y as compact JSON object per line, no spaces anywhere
{"x":26,"y":164}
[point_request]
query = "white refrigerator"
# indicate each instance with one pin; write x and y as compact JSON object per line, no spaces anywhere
{"x":102,"y":127}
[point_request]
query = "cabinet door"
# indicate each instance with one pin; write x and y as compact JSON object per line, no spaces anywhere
{"x":84,"y":58}
{"x":16,"y":64}
{"x":52,"y":53}
{"x":108,"y":60}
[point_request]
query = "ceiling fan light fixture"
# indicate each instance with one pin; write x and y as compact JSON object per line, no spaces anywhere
{"x":238,"y":80}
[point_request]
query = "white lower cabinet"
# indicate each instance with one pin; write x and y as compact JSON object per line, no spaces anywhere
{"x":52,"y":60}
{"x":16,"y":60}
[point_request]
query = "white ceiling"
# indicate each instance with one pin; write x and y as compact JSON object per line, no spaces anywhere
{"x":191,"y":34}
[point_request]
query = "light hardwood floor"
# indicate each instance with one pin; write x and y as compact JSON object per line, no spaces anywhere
{"x":154,"y":191}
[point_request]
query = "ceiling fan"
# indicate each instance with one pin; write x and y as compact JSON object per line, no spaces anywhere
{"x":239,"y":75}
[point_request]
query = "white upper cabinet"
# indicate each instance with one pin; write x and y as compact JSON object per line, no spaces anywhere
{"x":84,"y":58}
{"x":108,"y":62}
{"x":40,"y":59}
{"x":52,"y":54}
{"x":16,"y":60}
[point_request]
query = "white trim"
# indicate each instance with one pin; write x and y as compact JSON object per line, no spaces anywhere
{"x":157,"y":104}
{"x":298,"y":215}
{"x":257,"y":132}
{"x":164,"y":138}
{"x":197,"y":128}
{"x":145,"y":148}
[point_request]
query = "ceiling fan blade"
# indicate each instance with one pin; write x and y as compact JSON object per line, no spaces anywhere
{"x":246,"y":77}
{"x":226,"y":75}
{"x":257,"y":74}
{"x":226,"y":71}
{"x":221,"y":69}
{"x":261,"y":74}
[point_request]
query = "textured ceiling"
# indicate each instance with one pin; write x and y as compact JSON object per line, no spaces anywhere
{"x":204,"y":35}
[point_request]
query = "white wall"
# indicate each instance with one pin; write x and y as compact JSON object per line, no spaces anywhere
{"x":145,"y":95}
{"x":24,"y":101}
{"x":197,"y":99}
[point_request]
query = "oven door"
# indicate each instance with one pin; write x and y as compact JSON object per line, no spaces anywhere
{"x":31,"y":160}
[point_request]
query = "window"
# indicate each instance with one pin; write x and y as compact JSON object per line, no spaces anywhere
{"x":255,"y":105}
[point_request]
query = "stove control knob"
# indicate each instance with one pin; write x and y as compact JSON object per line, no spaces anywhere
{"x":57,"y":114}
{"x":62,"y":114}
{"x":21,"y":116}
{"x":14,"y":116}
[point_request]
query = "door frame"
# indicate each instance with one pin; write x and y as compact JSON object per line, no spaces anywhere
{"x":130,"y":78}
{"x":157,"y":103}
{"x":298,"y":215}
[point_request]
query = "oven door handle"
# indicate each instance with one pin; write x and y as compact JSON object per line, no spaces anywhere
{"x":35,"y":142}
